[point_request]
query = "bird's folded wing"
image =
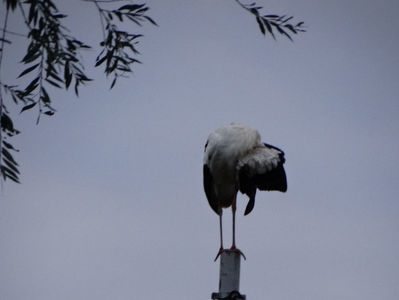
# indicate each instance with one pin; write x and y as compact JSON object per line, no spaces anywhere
{"x":262,"y":168}
{"x":209,"y":190}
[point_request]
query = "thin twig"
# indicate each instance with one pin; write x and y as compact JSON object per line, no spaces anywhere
{"x":3,"y":39}
{"x":13,"y":32}
{"x":24,"y":15}
{"x":242,"y":5}
{"x":100,"y":12}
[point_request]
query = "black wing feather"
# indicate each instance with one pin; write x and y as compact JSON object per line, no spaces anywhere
{"x":209,"y":190}
{"x":273,"y":180}
{"x":248,"y":187}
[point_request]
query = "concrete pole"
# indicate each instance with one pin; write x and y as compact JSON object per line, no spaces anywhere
{"x":229,"y":276}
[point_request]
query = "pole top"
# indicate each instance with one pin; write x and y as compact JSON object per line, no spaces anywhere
{"x":229,"y":276}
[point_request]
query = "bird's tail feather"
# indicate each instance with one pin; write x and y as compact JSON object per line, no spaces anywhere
{"x":250,"y":205}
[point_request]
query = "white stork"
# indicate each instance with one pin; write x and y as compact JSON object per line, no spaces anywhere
{"x":235,"y":160}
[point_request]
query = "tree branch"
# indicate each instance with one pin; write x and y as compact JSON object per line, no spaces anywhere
{"x":3,"y":40}
{"x":267,"y":23}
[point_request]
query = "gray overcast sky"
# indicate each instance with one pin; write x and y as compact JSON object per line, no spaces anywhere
{"x":111,"y":204}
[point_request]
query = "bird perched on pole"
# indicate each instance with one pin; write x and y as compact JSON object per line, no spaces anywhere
{"x":235,"y":160}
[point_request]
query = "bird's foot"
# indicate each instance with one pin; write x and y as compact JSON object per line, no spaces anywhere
{"x":233,"y":248}
{"x":221,"y":250}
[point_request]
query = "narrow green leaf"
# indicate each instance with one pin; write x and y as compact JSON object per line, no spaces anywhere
{"x":140,"y":11}
{"x":269,"y":28}
{"x":8,"y":156}
{"x":31,"y":56}
{"x":28,"y":70}
{"x":6,"y":123}
{"x":124,"y":69}
{"x":76,"y":87}
{"x":67,"y":75}
{"x":45,"y":97}
{"x":38,"y":117}
{"x":29,"y":106}
{"x":151,"y":20}
{"x":291,"y":28}
{"x":3,"y":172}
{"x":113,"y":82}
{"x":280,"y":18}
{"x":261,"y":27}
{"x":109,"y":38}
{"x":283,"y":32}
{"x":113,"y":67}
{"x":131,"y":7}
{"x":101,"y":60}
{"x":31,"y":11}
{"x":59,"y":16}
{"x":54,"y":75}
{"x":32,"y":85}
{"x":133,"y":19}
{"x":9,"y":146}
{"x":7,"y":173}
{"x":12,"y":167}
{"x":53,"y":83}
{"x":286,"y":20}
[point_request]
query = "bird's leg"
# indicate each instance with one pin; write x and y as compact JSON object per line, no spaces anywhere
{"x":221,"y":228}
{"x":233,"y":209}
{"x":220,"y":211}
{"x":233,"y":246}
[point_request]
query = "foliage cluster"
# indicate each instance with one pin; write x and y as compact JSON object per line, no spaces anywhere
{"x":53,"y":58}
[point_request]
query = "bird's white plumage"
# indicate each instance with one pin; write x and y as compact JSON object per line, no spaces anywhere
{"x":260,"y":160}
{"x":224,"y":148}
{"x":231,"y":141}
